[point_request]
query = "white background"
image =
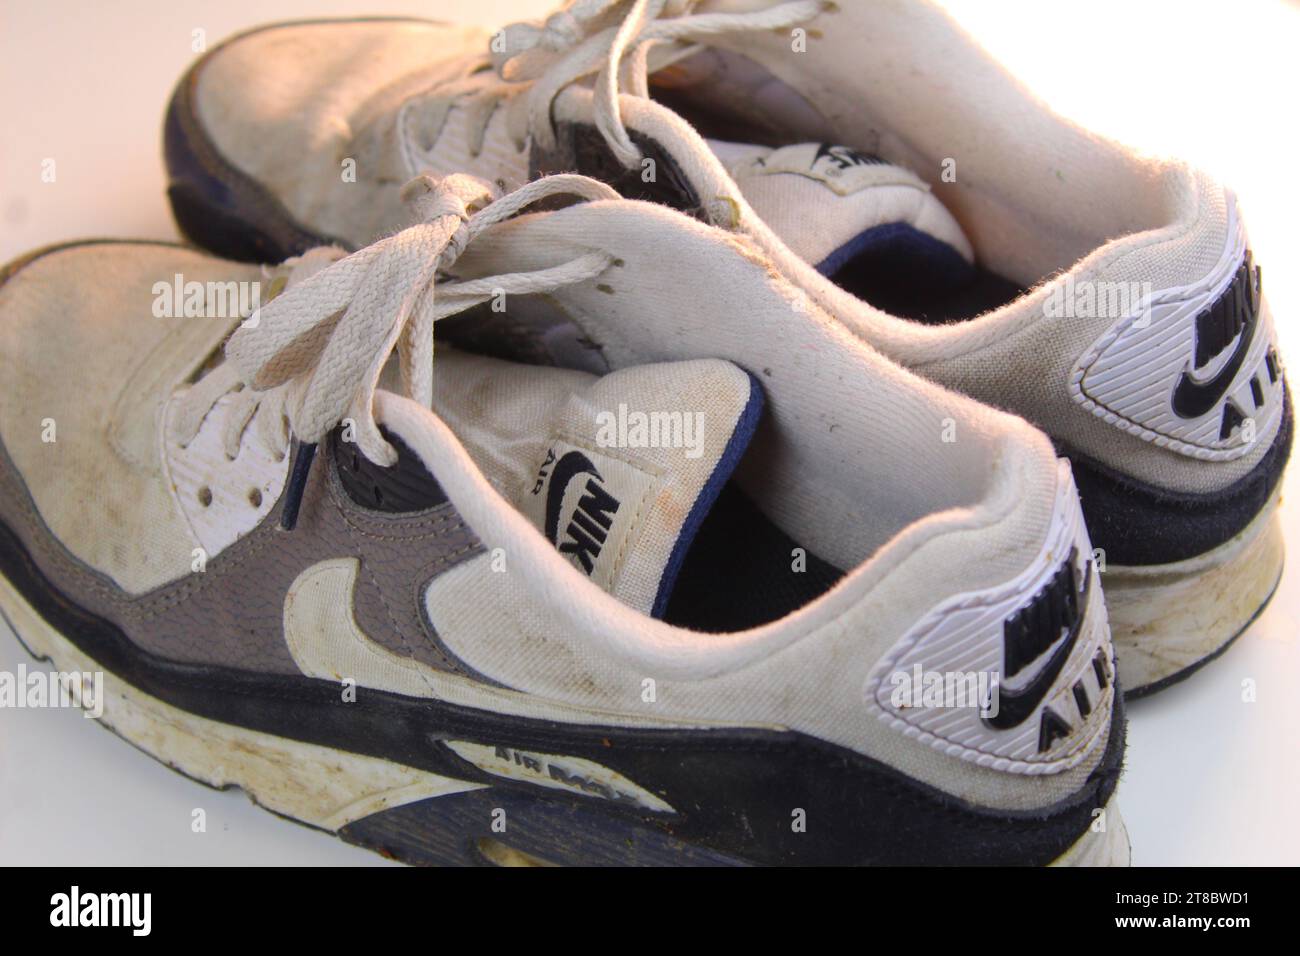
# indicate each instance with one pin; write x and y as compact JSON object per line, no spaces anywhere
{"x":1211,"y":779}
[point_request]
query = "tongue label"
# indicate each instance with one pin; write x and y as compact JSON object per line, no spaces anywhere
{"x":842,"y":169}
{"x":623,"y":503}
{"x":588,"y":504}
{"x":827,"y":202}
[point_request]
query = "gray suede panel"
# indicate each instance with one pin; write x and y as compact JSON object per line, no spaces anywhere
{"x":231,"y":614}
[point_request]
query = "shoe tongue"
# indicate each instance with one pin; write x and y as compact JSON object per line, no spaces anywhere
{"x":833,"y":205}
{"x":631,"y":467}
{"x":618,"y":472}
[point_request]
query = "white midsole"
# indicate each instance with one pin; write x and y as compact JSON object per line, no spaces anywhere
{"x":1108,"y":846}
{"x":1165,"y":618}
{"x":317,"y":785}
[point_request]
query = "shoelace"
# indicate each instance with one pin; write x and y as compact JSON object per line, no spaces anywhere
{"x":586,"y":37}
{"x":314,"y":354}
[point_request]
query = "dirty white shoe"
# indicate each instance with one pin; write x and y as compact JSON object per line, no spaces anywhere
{"x":661,"y":611}
{"x":959,"y":226}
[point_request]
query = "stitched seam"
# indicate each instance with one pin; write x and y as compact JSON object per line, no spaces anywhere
{"x":414,"y":665}
{"x":437,"y":527}
{"x":420,"y":587}
{"x":636,"y":531}
{"x":442,"y":526}
{"x":435,"y":522}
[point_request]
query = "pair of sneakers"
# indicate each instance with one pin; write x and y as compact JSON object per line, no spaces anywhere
{"x":700,"y":539}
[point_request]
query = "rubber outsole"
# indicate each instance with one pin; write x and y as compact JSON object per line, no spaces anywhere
{"x":1169,"y":621}
{"x":1179,"y":676}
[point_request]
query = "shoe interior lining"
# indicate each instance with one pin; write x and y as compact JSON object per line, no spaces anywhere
{"x":737,"y":573}
{"x":900,"y":277}
{"x":1023,"y":231}
{"x":737,"y":569}
{"x":810,"y":467}
{"x":899,"y":281}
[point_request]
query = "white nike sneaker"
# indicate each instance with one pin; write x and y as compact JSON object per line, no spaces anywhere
{"x":962,"y":228}
{"x":657,"y":615}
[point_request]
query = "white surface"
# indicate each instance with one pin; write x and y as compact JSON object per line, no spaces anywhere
{"x":1211,"y":778}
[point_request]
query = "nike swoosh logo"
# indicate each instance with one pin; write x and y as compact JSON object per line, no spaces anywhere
{"x":323,"y":638}
{"x":566,"y":469}
{"x":1191,"y":398}
{"x":1015,"y":707}
{"x":325,"y":641}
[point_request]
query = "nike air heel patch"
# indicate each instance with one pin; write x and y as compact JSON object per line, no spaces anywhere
{"x":1017,"y":677}
{"x":1195,"y":370}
